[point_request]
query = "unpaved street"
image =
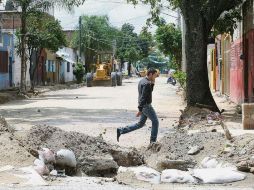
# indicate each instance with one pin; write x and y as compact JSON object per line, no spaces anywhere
{"x":96,"y":110}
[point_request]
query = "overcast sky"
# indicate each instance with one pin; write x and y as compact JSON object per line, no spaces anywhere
{"x":118,"y":11}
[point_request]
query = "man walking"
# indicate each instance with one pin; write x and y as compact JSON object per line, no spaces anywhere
{"x":145,"y":109}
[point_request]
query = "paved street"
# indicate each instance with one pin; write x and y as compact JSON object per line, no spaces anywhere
{"x":96,"y":110}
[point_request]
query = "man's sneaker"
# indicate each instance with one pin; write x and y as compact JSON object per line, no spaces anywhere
{"x":118,"y":134}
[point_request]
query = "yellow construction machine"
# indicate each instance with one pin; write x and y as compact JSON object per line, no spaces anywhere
{"x":143,"y":72}
{"x":104,"y":71}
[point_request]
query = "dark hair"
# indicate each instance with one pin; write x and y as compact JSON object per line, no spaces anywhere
{"x":151,"y":70}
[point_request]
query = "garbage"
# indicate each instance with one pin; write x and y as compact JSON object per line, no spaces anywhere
{"x":47,"y":155}
{"x":66,"y":157}
{"x":143,"y":173}
{"x":209,"y":162}
{"x":176,"y":176}
{"x":218,"y":175}
{"x":40,"y":167}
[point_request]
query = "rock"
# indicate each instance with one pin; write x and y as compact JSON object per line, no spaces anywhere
{"x":53,"y":173}
{"x":243,"y":152}
{"x":127,"y":157}
{"x":174,"y":164}
{"x":214,"y":130}
{"x":100,"y":166}
{"x":252,"y":170}
{"x":227,"y":150}
{"x":243,"y":166}
{"x":194,"y":150}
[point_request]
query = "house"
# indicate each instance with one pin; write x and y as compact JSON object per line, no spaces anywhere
{"x":231,"y":61}
{"x":52,"y":66}
{"x":10,"y":63}
{"x":67,"y":57}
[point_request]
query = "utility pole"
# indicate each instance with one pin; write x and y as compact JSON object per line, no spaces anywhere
{"x":114,"y":52}
{"x":184,"y":64}
{"x":80,"y":27}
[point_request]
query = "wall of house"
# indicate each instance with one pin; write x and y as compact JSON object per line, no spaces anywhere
{"x":248,"y":47}
{"x":236,"y":73}
{"x":52,"y":68}
{"x":4,"y":61}
{"x":69,"y":57}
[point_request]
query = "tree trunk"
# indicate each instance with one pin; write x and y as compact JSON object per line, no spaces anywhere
{"x":23,"y":51}
{"x":198,"y":90}
{"x":129,"y":68}
{"x":34,"y":66}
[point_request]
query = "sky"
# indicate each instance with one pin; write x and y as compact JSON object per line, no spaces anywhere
{"x":118,"y":11}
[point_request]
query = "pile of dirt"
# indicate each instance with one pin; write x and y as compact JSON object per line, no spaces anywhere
{"x":94,"y":156}
{"x":12,"y":152}
{"x":196,"y":118}
{"x":173,"y":152}
{"x":240,"y":151}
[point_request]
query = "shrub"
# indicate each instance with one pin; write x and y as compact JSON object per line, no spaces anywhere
{"x":79,"y":72}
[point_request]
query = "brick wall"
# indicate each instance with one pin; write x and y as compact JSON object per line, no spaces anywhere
{"x":10,"y":19}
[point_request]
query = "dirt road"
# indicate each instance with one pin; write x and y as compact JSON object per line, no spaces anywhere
{"x":96,"y":110}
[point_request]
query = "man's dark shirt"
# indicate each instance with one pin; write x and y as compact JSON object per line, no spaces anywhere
{"x":145,"y":89}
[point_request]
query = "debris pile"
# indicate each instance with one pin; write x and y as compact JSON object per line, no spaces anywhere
{"x":195,"y":117}
{"x":180,"y":150}
{"x":94,"y":156}
{"x":240,"y":151}
{"x":12,"y":152}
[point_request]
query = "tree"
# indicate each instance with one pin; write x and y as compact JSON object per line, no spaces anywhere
{"x":28,"y":6}
{"x":145,"y":42}
{"x":128,"y":45}
{"x":200,"y":17}
{"x":43,"y":32}
{"x":96,"y":35}
{"x":169,"y":39}
{"x":9,"y":5}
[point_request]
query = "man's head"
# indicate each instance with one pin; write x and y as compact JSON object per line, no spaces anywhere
{"x":152,"y":74}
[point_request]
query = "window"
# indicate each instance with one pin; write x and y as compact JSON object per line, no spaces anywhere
{"x":68,"y":67}
{"x":53,"y":67}
{"x":4,"y":61}
{"x":49,"y":66}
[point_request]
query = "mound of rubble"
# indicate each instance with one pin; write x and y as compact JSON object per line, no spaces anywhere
{"x":12,"y":152}
{"x":94,"y":156}
{"x":240,"y":151}
{"x":181,"y":150}
{"x":194,"y":117}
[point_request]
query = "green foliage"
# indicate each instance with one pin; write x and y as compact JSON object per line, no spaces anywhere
{"x":169,"y":39}
{"x":97,"y":34}
{"x":131,"y":46}
{"x":128,"y":48}
{"x":9,"y":6}
{"x":180,"y":76}
{"x":227,"y":22}
{"x":79,"y":72}
{"x":43,"y":32}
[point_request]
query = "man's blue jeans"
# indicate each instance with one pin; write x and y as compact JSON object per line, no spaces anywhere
{"x":147,"y":112}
